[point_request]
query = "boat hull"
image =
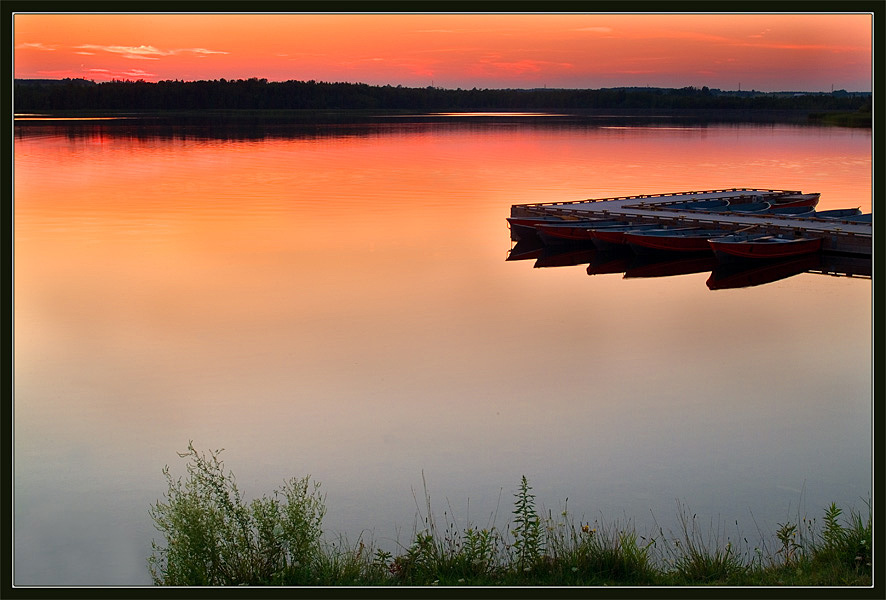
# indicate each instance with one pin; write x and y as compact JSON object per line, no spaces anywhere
{"x":676,"y":241}
{"x":703,"y":205}
{"x":577,"y":232}
{"x":791,"y":211}
{"x":763,"y":246}
{"x":608,"y":238}
{"x":839,"y":213}
{"x":796,"y":200}
{"x":747,"y":207}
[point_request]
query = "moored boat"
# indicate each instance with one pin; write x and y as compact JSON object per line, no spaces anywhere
{"x":524,"y":227}
{"x":791,"y":211}
{"x":796,"y":200}
{"x":571,"y":231}
{"x":674,"y":240}
{"x":763,"y":245}
{"x":747,"y":207}
{"x":716,"y":204}
{"x":839,"y":213}
{"x":607,"y":238}
{"x":862,"y":218}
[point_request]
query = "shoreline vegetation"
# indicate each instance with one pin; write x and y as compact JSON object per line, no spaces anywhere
{"x":311,"y":101}
{"x":212,"y":536}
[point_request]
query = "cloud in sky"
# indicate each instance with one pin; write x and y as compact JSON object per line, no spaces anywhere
{"x":146,"y":52}
{"x":34,"y":46}
{"x":125,"y":74}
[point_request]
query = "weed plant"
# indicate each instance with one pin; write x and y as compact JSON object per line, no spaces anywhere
{"x":213,"y":537}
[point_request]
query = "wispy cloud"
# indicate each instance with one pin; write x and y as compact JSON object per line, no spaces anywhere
{"x":198,"y":51}
{"x":125,"y":74}
{"x":138,"y":52}
{"x":34,"y":46}
{"x":146,"y":52}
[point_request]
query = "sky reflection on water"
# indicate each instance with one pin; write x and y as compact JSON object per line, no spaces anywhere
{"x":342,"y":306}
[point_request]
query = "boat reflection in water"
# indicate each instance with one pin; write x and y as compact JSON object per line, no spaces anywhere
{"x":666,"y":265}
{"x":526,"y":249}
{"x":741,"y":274}
{"x":566,"y":258}
{"x":723,"y":275}
{"x":610,"y":261}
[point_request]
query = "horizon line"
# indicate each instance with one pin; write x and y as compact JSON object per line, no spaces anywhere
{"x":543,"y":88}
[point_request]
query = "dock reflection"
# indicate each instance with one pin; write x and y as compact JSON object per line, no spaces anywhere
{"x":723,"y":275}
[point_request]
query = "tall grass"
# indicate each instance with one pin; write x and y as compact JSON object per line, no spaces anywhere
{"x":212,"y":536}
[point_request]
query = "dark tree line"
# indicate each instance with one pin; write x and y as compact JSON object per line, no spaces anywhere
{"x":256,"y":94}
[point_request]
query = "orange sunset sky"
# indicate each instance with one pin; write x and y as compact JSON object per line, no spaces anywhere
{"x":786,"y":52}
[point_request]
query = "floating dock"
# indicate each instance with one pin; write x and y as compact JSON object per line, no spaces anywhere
{"x":838,"y":236}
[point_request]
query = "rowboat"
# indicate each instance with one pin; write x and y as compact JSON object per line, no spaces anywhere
{"x":763,"y":245}
{"x":747,"y":207}
{"x":571,"y":231}
{"x":796,"y":200}
{"x":532,"y":221}
{"x":839,"y":213}
{"x":791,"y":211}
{"x":607,"y":238}
{"x":703,"y":205}
{"x":524,"y":227}
{"x":674,"y":240}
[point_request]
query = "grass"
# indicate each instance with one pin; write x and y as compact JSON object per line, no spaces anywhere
{"x":212,"y":536}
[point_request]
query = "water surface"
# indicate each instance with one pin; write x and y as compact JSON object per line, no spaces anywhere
{"x":338,"y":303}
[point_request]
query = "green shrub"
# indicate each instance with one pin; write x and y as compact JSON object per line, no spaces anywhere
{"x":213,"y":537}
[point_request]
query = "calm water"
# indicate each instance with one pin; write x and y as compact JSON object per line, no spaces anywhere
{"x":339,"y":304}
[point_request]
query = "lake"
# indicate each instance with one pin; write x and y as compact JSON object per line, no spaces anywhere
{"x":337,"y":301}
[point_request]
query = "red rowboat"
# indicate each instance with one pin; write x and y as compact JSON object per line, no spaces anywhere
{"x":605,"y":238}
{"x":675,"y":240}
{"x":795,"y":200}
{"x":571,"y":231}
{"x":762,"y":245}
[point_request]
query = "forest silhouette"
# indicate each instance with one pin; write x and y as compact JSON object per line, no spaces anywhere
{"x":260,"y":94}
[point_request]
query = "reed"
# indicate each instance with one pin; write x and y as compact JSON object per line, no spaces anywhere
{"x":213,"y":537}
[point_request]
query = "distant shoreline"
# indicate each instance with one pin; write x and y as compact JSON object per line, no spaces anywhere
{"x":602,"y":116}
